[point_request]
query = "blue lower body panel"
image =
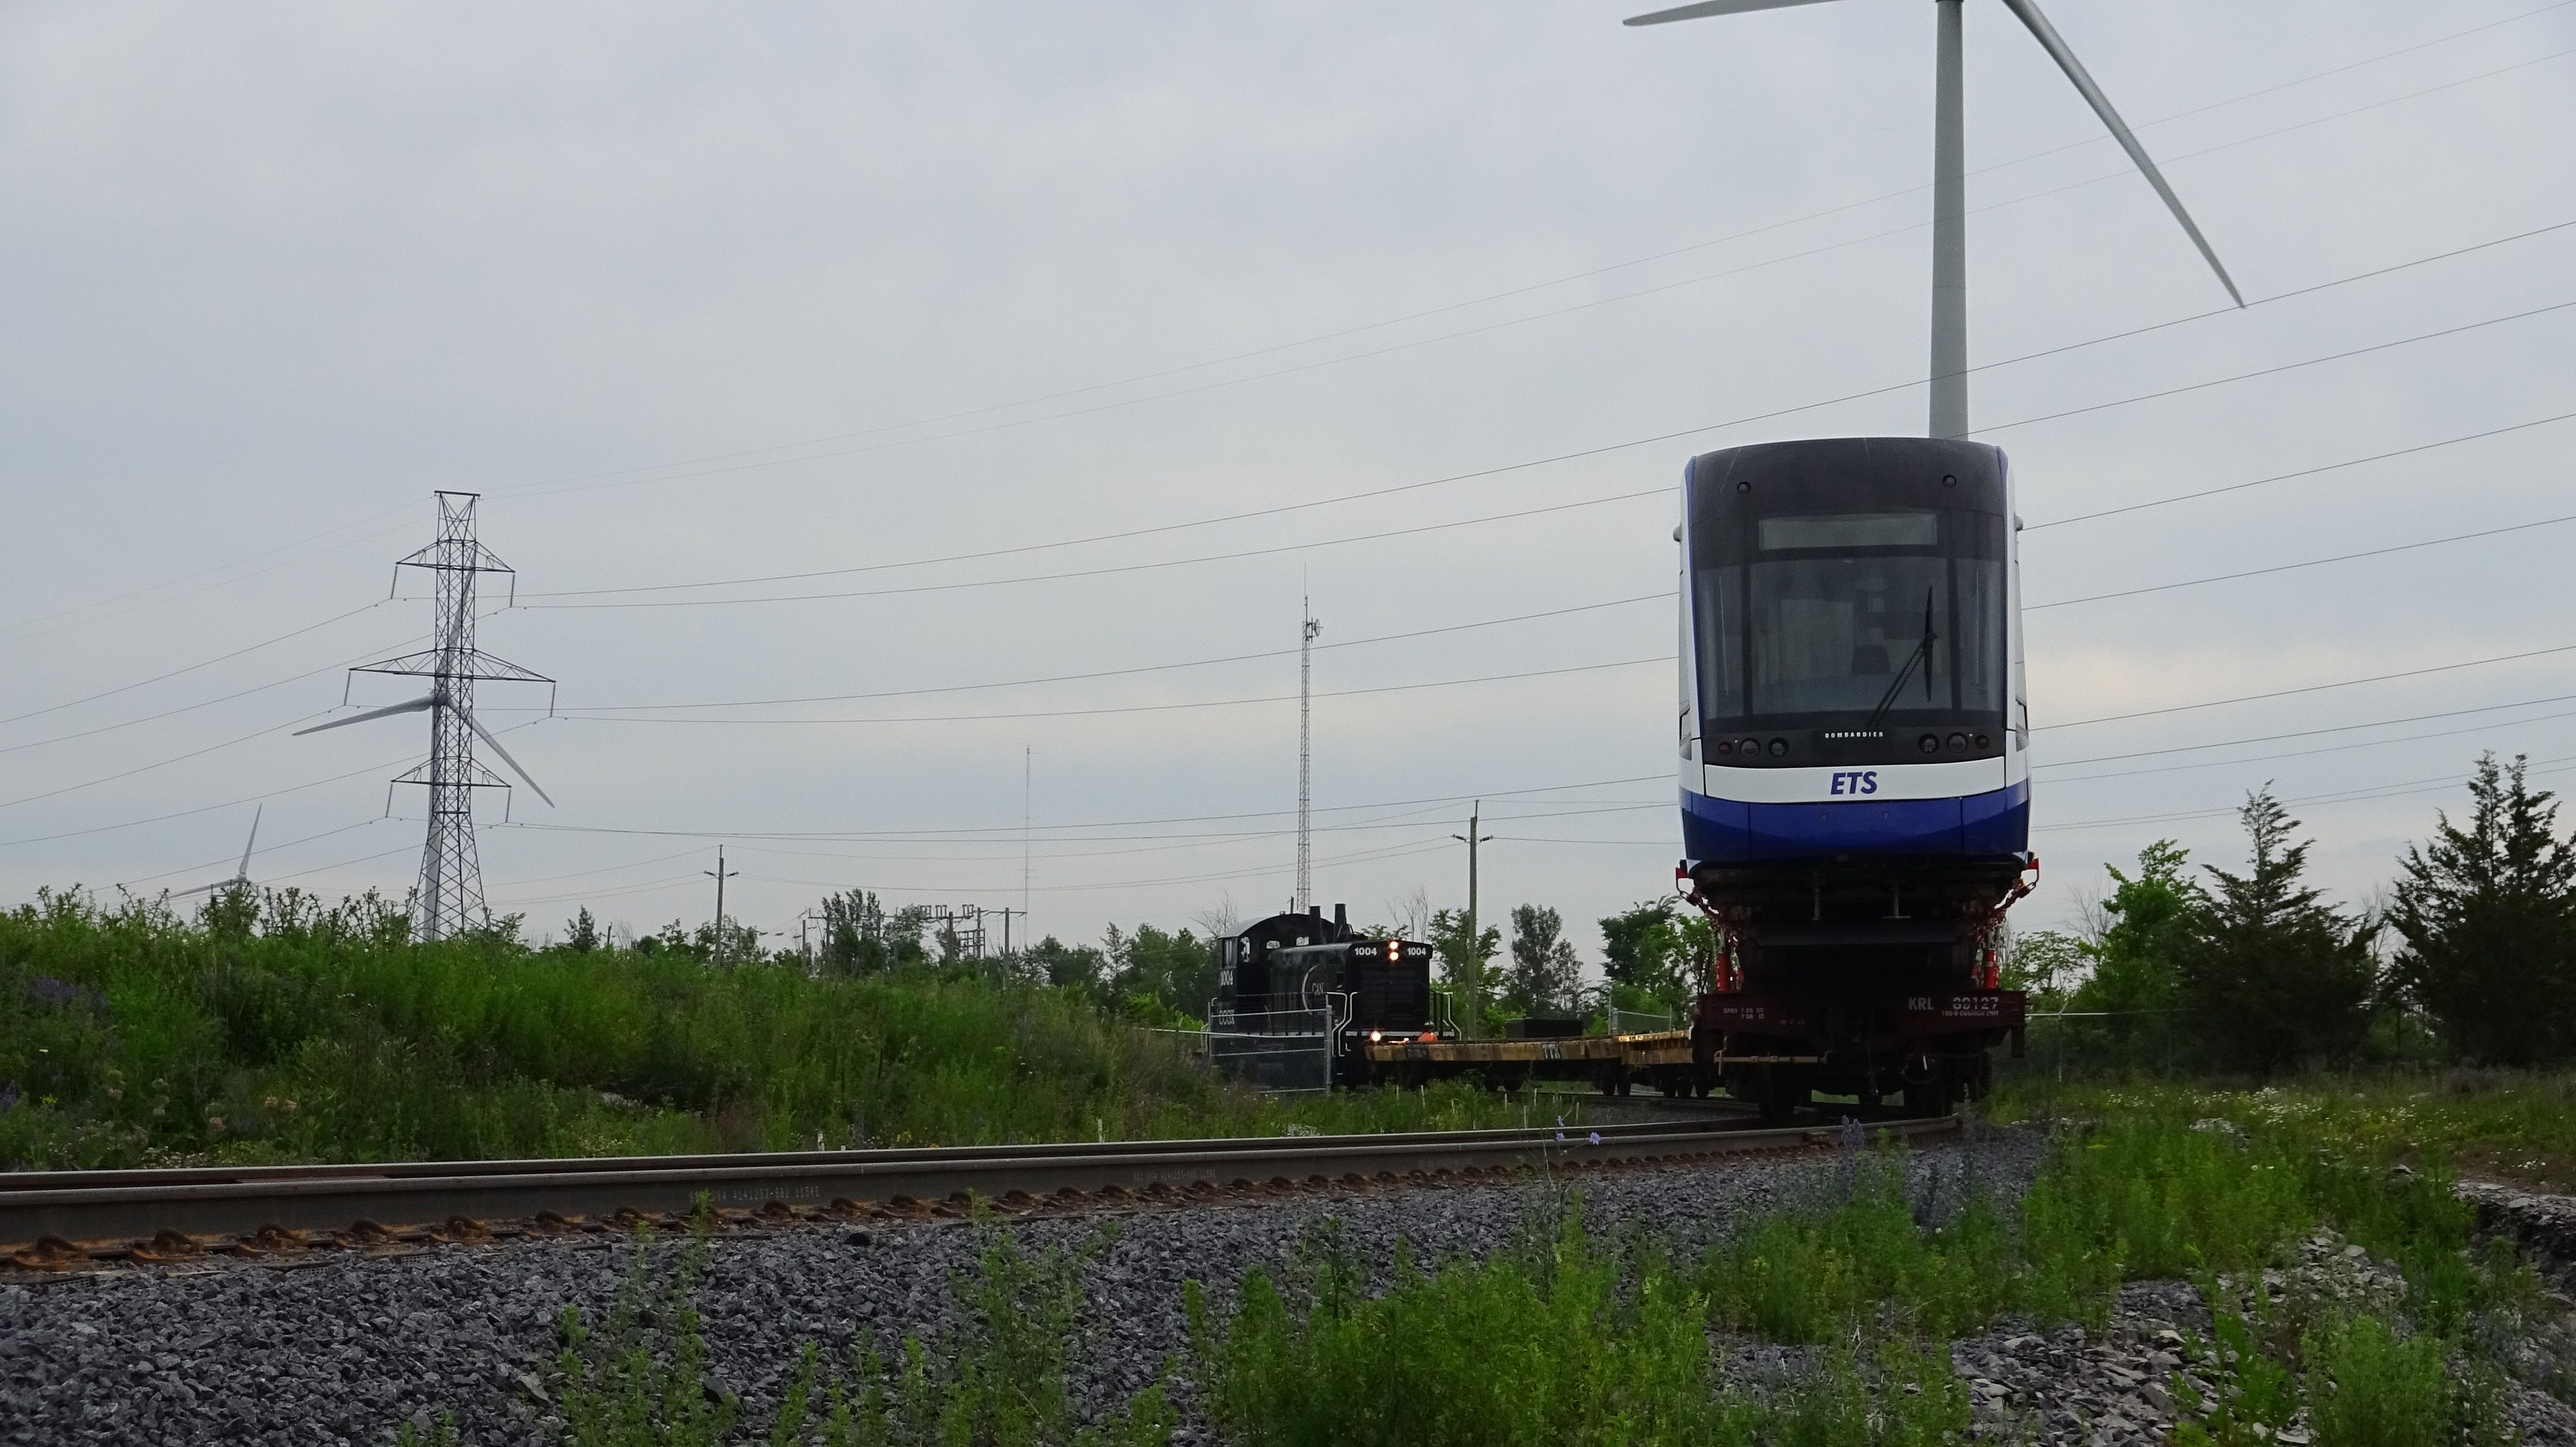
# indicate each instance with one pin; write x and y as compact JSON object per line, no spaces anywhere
{"x":1729,"y":831}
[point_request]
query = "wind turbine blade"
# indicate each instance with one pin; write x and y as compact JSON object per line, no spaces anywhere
{"x":486,"y":735}
{"x":1713,"y":7}
{"x":2057,"y":49}
{"x":244,"y":871}
{"x":415,"y":706}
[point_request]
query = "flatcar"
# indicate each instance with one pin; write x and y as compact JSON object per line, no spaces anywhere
{"x":1300,"y":996}
{"x":1854,"y":733}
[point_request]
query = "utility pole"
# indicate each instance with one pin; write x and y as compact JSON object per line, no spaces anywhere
{"x":1028,"y":765}
{"x":1306,"y":635}
{"x":1475,"y":964}
{"x":721,"y":874}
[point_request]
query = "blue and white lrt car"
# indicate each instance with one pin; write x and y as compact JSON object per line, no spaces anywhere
{"x":1855,"y":756}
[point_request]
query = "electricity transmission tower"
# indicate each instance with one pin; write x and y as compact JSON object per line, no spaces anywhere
{"x":450,"y":894}
{"x":1306,"y":635}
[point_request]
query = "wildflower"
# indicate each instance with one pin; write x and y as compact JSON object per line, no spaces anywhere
{"x":215,"y":1123}
{"x":288,"y":1106}
{"x":115,"y":1093}
{"x":270,"y":1103}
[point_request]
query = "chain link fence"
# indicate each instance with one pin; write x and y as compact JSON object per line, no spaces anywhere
{"x":1279,"y":1051}
{"x":2078,"y":1044}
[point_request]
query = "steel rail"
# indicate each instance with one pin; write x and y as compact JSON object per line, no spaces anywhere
{"x":101,"y":1211}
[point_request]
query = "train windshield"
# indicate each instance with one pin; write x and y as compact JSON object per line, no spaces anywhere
{"x":1853,"y":619}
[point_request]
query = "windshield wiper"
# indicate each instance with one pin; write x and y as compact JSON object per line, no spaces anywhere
{"x":1920,"y":657}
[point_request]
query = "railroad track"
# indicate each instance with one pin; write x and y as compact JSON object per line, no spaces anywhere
{"x":61,"y":1220}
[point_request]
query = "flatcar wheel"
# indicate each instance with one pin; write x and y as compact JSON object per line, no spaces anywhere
{"x":1783,"y":1096}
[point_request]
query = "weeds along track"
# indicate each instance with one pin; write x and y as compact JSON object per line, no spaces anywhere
{"x":57,"y":1221}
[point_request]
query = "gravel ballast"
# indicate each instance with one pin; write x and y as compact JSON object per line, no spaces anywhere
{"x":341,"y":1348}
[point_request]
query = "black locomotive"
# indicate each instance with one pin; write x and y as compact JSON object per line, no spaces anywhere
{"x":1298,"y":995}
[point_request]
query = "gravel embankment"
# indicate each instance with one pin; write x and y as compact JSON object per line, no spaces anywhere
{"x":341,"y":1350}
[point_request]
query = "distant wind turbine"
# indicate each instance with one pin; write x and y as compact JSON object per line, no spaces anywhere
{"x":1949,"y":185}
{"x":241,"y":872}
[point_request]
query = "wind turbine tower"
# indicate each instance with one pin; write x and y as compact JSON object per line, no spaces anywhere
{"x":450,"y":897}
{"x":1949,"y":374}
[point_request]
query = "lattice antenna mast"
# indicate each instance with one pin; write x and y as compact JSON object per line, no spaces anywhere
{"x":450,"y":894}
{"x":1306,"y":636}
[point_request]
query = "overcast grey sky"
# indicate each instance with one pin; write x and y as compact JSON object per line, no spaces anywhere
{"x":703,"y":293}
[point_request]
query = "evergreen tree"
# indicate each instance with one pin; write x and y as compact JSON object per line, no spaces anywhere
{"x":2268,"y":973}
{"x":2488,"y":916}
{"x":1546,"y":972}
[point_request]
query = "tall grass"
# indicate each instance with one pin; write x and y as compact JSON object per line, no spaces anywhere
{"x":2516,"y":1123}
{"x":1558,"y":1341}
{"x":1873,"y":1264}
{"x":129,"y":1035}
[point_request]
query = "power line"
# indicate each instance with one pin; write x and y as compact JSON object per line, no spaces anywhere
{"x":209,"y":702}
{"x":227,"y":804}
{"x":2303,"y":472}
{"x":2284,"y":367}
{"x":2304,"y":733}
{"x":1346,"y":538}
{"x":227,"y":859}
{"x":613,"y":714}
{"x":191,"y":668}
{"x":860,"y":835}
{"x":2310,"y":753}
{"x":2310,"y":563}
{"x":1660,"y":597}
{"x":1664,"y":596}
{"x":156,"y":764}
{"x":585,"y":484}
{"x":2431,"y":784}
{"x":1128,"y":708}
{"x":1368,"y":856}
{"x":2316,"y":687}
{"x":20,"y":631}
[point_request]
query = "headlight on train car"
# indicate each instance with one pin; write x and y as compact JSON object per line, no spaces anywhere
{"x":1750,"y":746}
{"x":1725,"y":747}
{"x":1779,"y":747}
{"x":1959,"y":743}
{"x":1931,"y":743}
{"x":1394,"y":951}
{"x":1985,"y":741}
{"x":1375,"y":1036}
